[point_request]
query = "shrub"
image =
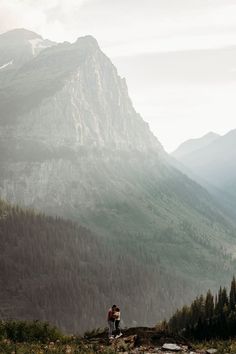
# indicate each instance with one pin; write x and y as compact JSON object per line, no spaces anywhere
{"x":29,"y":331}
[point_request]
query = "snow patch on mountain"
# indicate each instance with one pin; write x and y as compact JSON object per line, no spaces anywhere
{"x":39,"y":44}
{"x":7,"y":64}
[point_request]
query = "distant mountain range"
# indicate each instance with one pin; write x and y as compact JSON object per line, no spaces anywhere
{"x":192,"y":145}
{"x":211,"y":159}
{"x":73,"y":145}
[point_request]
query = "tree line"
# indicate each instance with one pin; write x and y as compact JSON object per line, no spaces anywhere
{"x":208,"y":316}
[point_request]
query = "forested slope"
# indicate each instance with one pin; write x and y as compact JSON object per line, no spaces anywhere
{"x":52,"y":269}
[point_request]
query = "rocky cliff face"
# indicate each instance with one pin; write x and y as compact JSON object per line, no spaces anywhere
{"x":72,"y":96}
{"x":66,"y":114}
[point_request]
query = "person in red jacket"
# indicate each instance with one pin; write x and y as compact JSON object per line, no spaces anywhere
{"x":111,"y":321}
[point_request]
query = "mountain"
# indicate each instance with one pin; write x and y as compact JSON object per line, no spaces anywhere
{"x":98,"y":111}
{"x":193,"y":145}
{"x":19,"y":46}
{"x":213,"y":162}
{"x":73,"y":145}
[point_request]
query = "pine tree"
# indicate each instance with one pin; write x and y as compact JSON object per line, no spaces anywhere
{"x":219,"y":304}
{"x":232,"y":295}
{"x":209,"y":305}
{"x":201,"y":305}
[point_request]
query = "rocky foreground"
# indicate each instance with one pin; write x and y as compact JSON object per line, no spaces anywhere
{"x":141,"y":340}
{"x":144,"y":340}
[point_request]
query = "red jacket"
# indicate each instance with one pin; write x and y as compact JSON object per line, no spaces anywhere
{"x":110,"y":316}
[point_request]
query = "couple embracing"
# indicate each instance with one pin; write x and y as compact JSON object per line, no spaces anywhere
{"x":114,"y":322}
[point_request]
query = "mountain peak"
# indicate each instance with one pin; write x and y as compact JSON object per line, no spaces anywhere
{"x":210,"y":135}
{"x":87,"y":39}
{"x":87,"y":43}
{"x":231,"y":133}
{"x":20,"y":34}
{"x":19,"y":46}
{"x":191,"y":145}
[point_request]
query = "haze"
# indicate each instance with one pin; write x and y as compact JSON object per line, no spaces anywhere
{"x":178,"y":56}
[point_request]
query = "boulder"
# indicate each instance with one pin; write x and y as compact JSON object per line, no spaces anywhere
{"x":211,"y":351}
{"x":124,"y":343}
{"x":172,"y":347}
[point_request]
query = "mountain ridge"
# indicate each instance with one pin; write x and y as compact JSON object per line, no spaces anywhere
{"x":191,"y":145}
{"x":19,"y":33}
{"x":213,"y":162}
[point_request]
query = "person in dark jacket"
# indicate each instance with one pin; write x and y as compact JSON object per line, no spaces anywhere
{"x":117,"y":322}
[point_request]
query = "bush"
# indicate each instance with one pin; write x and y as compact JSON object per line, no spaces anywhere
{"x":29,"y":331}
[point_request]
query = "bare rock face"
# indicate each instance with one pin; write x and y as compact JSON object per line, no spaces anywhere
{"x":71,"y":96}
{"x":66,"y":118}
{"x":92,"y":109}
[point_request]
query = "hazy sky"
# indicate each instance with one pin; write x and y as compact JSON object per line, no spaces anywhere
{"x":178,"y":56}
